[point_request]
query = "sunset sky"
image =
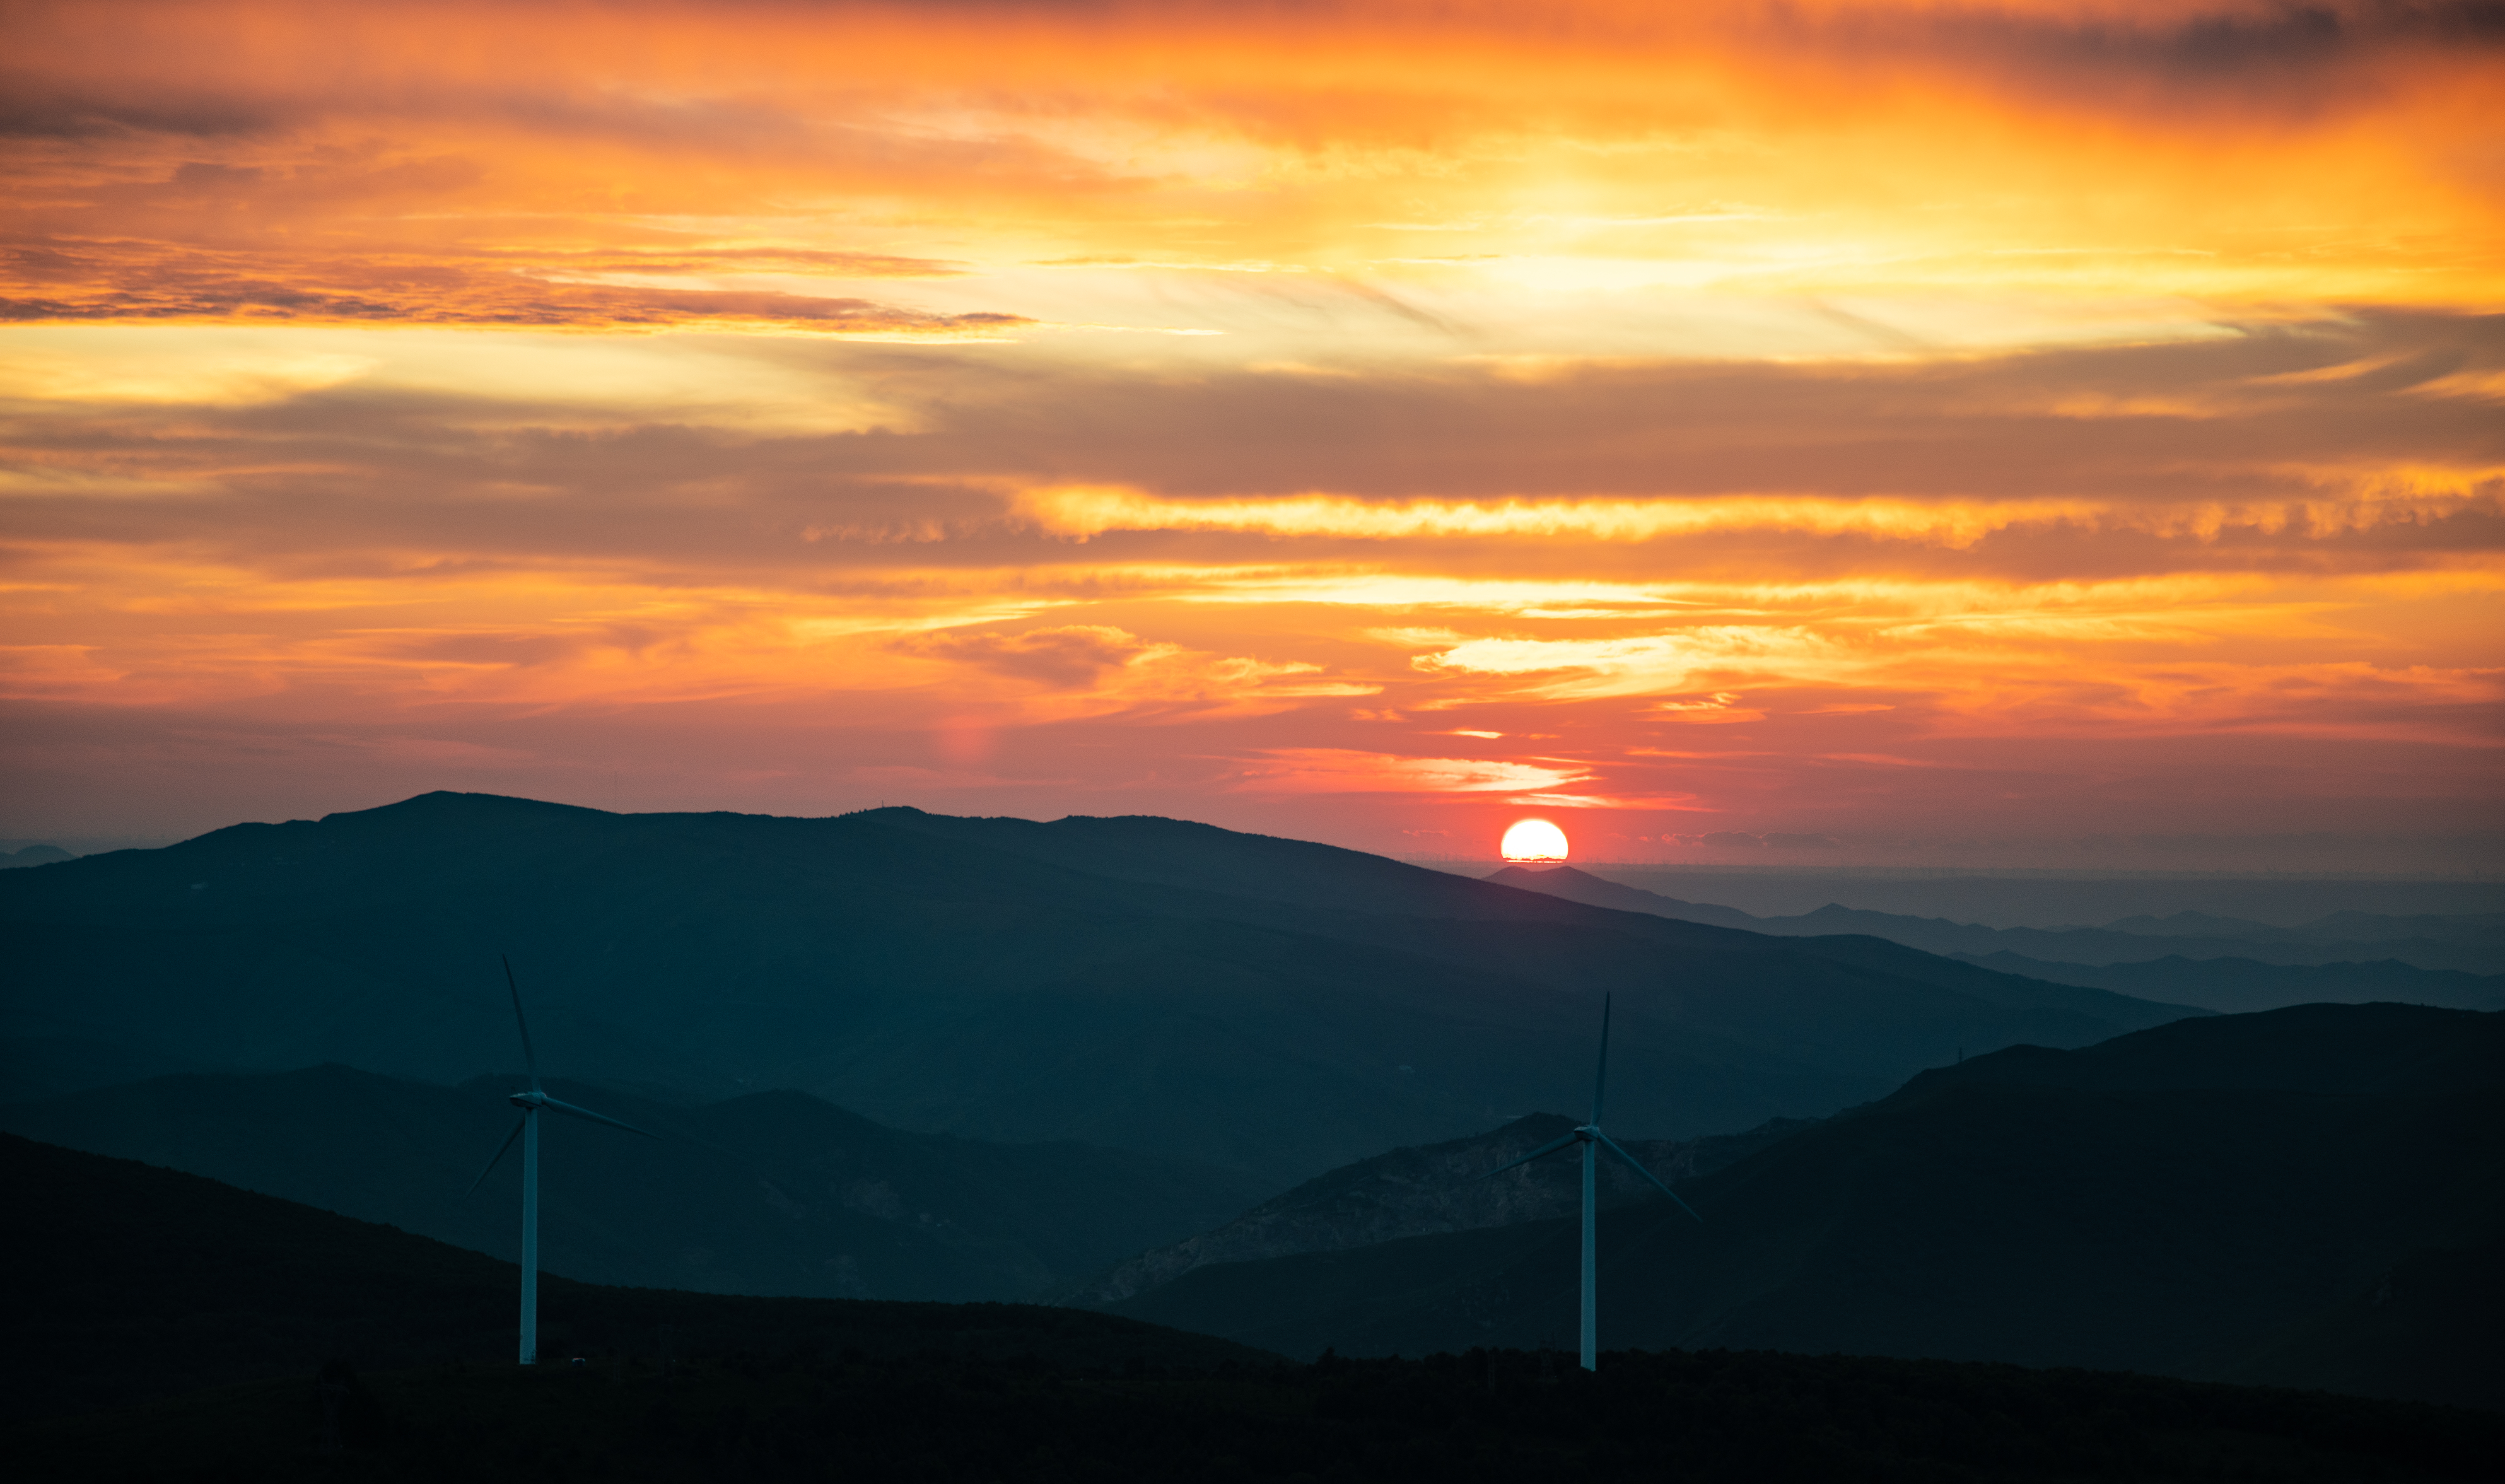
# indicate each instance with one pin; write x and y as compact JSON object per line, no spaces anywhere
{"x":2026,"y":433}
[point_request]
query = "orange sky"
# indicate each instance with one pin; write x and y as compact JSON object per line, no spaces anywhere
{"x":2028,"y":434}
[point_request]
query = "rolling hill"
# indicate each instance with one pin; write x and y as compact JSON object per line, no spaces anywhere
{"x":775,"y":1193}
{"x":1268,"y":1005}
{"x":2224,"y":1197}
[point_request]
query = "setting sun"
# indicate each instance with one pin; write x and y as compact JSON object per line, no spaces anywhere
{"x":1535,"y":842}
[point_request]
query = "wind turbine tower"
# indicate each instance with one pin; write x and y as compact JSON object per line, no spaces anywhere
{"x":531,"y":1104}
{"x":1593,"y":1140}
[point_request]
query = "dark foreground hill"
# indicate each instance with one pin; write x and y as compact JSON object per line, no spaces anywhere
{"x":1272,"y":1006}
{"x":129,"y":1282}
{"x":774,"y":1193}
{"x":2314,"y":1195}
{"x":163,"y":1280}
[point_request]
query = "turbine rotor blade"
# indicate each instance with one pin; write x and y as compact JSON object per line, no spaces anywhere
{"x":499,"y":1159}
{"x":530,"y":1062}
{"x":585,"y":1112}
{"x":1611,"y":1145}
{"x":1550,"y":1147}
{"x":1601,"y":1078}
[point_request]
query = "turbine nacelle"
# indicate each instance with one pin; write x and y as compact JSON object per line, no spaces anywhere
{"x":532,"y":1101}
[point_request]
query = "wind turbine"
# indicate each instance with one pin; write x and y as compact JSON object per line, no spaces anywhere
{"x":1593,"y":1140}
{"x":528,"y":1131}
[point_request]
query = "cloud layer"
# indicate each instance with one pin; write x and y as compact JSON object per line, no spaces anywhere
{"x":1833,"y":432}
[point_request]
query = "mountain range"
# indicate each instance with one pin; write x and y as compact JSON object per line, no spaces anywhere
{"x":2309,"y":1196}
{"x":1268,"y":1007}
{"x":1217,"y":1083}
{"x":2217,"y":963}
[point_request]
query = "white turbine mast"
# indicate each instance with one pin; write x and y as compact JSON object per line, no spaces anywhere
{"x":528,"y":1131}
{"x":1593,"y":1140}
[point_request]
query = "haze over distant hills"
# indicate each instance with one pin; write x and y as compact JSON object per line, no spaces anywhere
{"x":2186,"y":958}
{"x":2313,"y":1196}
{"x":2040,"y":898}
{"x":1268,"y":1005}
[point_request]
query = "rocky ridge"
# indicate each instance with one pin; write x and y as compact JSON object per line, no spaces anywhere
{"x":1427,"y":1189}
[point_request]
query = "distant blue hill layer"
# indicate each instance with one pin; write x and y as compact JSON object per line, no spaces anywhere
{"x":2461,"y":956}
{"x":2237,"y":986}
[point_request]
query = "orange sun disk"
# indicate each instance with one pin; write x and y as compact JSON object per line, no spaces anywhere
{"x":1535,"y":842}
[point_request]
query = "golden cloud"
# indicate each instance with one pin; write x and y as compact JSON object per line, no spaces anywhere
{"x":1337,"y":771}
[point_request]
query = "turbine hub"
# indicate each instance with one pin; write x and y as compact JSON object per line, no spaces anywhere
{"x":532,"y":1098}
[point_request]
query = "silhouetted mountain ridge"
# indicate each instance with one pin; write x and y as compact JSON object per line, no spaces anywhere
{"x":1269,"y":1005}
{"x":2339,"y":1051}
